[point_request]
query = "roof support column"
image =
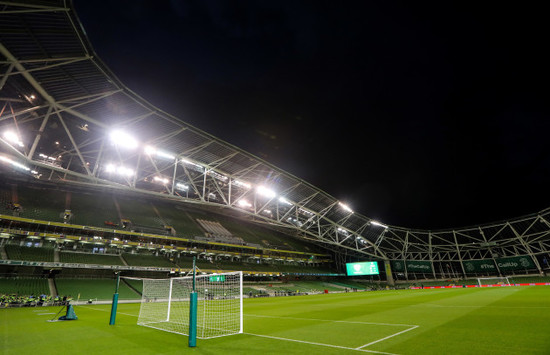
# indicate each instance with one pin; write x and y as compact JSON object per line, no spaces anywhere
{"x":40,"y":131}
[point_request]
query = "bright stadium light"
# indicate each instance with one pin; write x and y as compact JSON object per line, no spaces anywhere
{"x":244,"y":203}
{"x":188,"y":162}
{"x":149,"y":150}
{"x":374,"y":223}
{"x":217,"y":176}
{"x":14,"y":163}
{"x":345,"y":207}
{"x":121,"y":170}
{"x":161,"y":179}
{"x":12,"y":137}
{"x":123,"y":139}
{"x":47,"y":157}
{"x":242,"y":184}
{"x":285,"y":201}
{"x":110,"y":168}
{"x":266,"y":192}
{"x":182,"y":187}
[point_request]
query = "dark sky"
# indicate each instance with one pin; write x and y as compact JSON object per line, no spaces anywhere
{"x":418,"y":115}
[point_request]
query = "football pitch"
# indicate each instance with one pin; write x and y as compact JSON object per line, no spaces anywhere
{"x":499,"y":320}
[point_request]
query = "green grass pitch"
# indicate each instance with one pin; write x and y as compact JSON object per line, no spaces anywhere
{"x":500,"y":320}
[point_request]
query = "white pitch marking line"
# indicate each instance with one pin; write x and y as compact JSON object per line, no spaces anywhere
{"x":320,"y":344}
{"x":334,"y":321}
{"x":41,"y":314}
{"x":390,"y":336}
{"x":479,"y":306}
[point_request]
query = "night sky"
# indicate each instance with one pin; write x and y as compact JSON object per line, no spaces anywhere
{"x":418,"y":115}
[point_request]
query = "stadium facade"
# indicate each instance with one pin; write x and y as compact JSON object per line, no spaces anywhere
{"x":66,"y":119}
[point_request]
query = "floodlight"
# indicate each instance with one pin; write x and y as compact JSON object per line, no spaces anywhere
{"x":159,"y":153}
{"x":47,"y":157}
{"x":244,"y":203}
{"x":14,"y":163}
{"x":181,"y":186}
{"x":121,"y":170}
{"x":342,"y":230}
{"x":217,"y":175}
{"x":266,"y":192}
{"x":241,"y":184}
{"x":345,"y":207}
{"x":123,"y":139}
{"x":374,"y":223}
{"x":161,"y":179}
{"x":13,"y":138}
{"x":185,"y":161}
{"x":110,"y":168}
{"x":285,"y":201}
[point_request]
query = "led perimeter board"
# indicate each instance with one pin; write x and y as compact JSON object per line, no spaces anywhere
{"x":364,"y":268}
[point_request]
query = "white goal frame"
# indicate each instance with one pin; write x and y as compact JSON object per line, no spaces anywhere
{"x":503,"y":279}
{"x":165,"y":304}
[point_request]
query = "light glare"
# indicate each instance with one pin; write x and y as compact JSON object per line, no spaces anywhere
{"x":13,"y":138}
{"x":345,"y":207}
{"x":244,"y":203}
{"x":123,"y":139}
{"x":374,"y":223}
{"x":285,"y":201}
{"x":266,"y":192}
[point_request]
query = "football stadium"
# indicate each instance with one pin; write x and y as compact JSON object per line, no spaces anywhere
{"x":125,"y":230}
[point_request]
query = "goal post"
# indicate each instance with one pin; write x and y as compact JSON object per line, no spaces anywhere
{"x":166,"y":305}
{"x":493,"y":280}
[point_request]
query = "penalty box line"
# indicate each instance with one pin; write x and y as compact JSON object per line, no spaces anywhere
{"x":319,"y":344}
{"x":361,"y":348}
{"x":385,"y":338}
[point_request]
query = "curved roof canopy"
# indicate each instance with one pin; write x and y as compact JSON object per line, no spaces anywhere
{"x":65,"y":115}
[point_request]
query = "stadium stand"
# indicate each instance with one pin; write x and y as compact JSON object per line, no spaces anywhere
{"x":142,"y":214}
{"x":24,"y":286}
{"x":42,"y":204}
{"x":100,"y":289}
{"x":16,"y":252}
{"x":94,"y":209}
{"x":87,"y":258}
{"x":146,"y":259}
{"x":178,"y":218}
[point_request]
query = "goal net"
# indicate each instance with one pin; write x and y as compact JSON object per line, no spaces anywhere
{"x":165,"y":304}
{"x":493,"y":281}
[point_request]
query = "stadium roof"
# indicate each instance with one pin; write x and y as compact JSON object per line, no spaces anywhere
{"x":64,"y":115}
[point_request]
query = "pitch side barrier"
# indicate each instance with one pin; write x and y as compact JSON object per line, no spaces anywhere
{"x":494,"y":285}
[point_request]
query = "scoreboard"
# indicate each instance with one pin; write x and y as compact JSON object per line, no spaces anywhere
{"x":364,"y":268}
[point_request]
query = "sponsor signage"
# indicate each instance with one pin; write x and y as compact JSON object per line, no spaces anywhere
{"x":479,"y":266}
{"x":516,"y":263}
{"x":523,"y":262}
{"x":412,"y":266}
